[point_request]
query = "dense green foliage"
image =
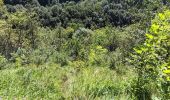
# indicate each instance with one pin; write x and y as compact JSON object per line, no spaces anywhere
{"x":152,"y":58}
{"x":85,"y":49}
{"x":89,"y":13}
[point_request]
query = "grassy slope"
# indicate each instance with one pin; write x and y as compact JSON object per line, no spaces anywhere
{"x":55,"y":82}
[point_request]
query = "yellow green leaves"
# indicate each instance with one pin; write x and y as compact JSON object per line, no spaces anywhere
{"x":167,"y":71}
{"x":138,"y":51}
{"x":168,"y":78}
{"x":164,"y":16}
{"x":161,"y":16}
{"x":150,"y":36}
{"x":19,"y":17}
{"x":101,"y":49}
{"x":161,"y":23}
{"x":152,"y":58}
{"x":97,"y":55}
{"x":154,"y":28}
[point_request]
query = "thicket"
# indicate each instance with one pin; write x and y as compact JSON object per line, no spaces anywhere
{"x":84,"y":49}
{"x":74,"y":29}
{"x":89,"y":13}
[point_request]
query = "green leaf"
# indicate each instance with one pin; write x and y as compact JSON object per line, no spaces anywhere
{"x":161,"y":16}
{"x":166,"y":71}
{"x":150,"y":36}
{"x":138,"y":51}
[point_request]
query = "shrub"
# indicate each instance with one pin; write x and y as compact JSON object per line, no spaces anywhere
{"x":152,"y":59}
{"x":97,"y":56}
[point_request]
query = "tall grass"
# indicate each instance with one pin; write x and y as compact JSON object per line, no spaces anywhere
{"x":55,"y":82}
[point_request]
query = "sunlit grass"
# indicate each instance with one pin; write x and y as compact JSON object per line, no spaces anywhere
{"x":55,"y":82}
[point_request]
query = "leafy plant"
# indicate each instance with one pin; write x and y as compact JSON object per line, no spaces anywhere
{"x":97,"y":56}
{"x":152,"y":59}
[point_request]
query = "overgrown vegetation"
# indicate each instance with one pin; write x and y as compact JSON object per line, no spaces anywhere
{"x":152,"y":59}
{"x":85,"y":49}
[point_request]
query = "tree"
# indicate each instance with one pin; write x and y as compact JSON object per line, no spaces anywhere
{"x":14,"y":2}
{"x":17,"y":31}
{"x":152,"y":59}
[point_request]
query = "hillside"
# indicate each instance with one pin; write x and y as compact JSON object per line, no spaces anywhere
{"x":84,"y":49}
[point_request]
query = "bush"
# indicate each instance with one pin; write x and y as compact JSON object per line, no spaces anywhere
{"x":152,"y":59}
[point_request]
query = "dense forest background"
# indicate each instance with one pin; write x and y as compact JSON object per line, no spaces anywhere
{"x":85,"y":49}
